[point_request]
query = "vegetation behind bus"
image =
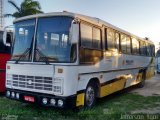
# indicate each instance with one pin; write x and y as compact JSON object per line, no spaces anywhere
{"x":27,"y":7}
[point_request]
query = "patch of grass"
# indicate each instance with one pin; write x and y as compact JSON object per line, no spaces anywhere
{"x":111,"y":107}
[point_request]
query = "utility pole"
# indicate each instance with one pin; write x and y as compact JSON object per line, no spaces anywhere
{"x":1,"y":15}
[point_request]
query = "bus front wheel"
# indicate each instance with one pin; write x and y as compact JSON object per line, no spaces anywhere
{"x":90,"y":95}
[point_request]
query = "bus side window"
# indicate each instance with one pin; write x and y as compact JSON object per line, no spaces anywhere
{"x":110,"y":38}
{"x":96,"y":38}
{"x":128,"y":43}
{"x":123,"y":44}
{"x":142,"y":48}
{"x":91,"y":44}
{"x":148,"y":49}
{"x":86,"y":36}
{"x":135,"y":46}
{"x":117,"y":38}
{"x":153,"y":50}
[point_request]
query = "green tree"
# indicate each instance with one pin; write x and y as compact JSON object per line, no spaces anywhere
{"x":27,"y":7}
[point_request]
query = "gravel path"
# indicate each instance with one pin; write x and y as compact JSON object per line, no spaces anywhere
{"x":151,"y":88}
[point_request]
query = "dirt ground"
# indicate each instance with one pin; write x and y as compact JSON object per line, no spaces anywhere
{"x":151,"y":88}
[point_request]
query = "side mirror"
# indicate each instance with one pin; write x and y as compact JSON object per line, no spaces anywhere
{"x":74,"y":32}
{"x":8,"y":35}
{"x":7,"y":39}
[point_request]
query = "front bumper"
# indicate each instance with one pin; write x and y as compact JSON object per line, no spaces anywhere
{"x":68,"y":102}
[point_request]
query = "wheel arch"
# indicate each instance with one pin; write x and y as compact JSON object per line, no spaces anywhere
{"x":95,"y":81}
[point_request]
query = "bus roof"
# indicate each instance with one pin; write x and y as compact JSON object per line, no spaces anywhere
{"x":92,"y":20}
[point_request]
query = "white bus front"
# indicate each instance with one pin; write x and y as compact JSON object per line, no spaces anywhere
{"x":42,"y":69}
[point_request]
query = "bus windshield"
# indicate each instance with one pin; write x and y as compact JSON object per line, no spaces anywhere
{"x":52,"y":39}
{"x":24,"y":33}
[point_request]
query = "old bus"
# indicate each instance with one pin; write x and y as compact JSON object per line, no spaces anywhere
{"x":64,"y":59}
{"x":6,"y":36}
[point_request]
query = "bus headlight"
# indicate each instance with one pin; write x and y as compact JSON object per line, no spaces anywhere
{"x":52,"y":101}
{"x":17,"y":95}
{"x":60,"y":103}
{"x":12,"y":94}
{"x":44,"y":101}
{"x":8,"y":93}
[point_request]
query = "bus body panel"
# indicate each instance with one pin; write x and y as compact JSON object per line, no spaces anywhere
{"x":67,"y":76}
{"x":114,"y":68}
{"x":3,"y":60}
{"x":68,"y":81}
{"x":76,"y":79}
{"x":26,"y":76}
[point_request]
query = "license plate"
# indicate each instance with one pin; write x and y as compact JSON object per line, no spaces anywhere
{"x":29,"y":99}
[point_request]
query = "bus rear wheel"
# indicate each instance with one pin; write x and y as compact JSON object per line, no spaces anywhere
{"x":142,"y":83}
{"x":90,"y":95}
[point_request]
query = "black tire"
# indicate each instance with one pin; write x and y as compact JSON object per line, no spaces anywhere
{"x":90,"y":95}
{"x":142,"y":83}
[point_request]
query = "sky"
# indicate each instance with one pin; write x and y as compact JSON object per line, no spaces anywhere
{"x":140,"y":17}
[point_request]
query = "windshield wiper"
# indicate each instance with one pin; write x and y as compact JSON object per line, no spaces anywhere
{"x":43,"y":56}
{"x":23,"y":55}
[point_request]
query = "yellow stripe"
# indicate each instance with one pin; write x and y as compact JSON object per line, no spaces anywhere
{"x":80,"y":99}
{"x":112,"y":87}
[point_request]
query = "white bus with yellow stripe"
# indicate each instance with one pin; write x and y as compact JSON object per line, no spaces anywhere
{"x":64,"y":59}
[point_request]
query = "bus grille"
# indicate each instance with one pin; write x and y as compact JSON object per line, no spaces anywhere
{"x":33,"y":82}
